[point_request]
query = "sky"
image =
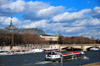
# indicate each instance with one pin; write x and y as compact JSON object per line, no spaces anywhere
{"x":65,"y":17}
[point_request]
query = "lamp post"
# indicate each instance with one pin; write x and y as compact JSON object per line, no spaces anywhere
{"x":12,"y":41}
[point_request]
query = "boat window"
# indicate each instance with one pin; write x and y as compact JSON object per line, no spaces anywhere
{"x":23,"y":50}
{"x":3,"y":51}
{"x":52,"y":53}
{"x":18,"y":51}
{"x":12,"y":51}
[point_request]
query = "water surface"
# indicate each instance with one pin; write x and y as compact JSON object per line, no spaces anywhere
{"x":38,"y":59}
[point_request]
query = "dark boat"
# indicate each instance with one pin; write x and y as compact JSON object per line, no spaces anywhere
{"x":50,"y":50}
{"x":72,"y":49}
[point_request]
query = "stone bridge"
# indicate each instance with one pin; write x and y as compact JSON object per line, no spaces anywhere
{"x":84,"y":47}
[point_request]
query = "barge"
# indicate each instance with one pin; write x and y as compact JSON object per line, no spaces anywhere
{"x":58,"y":56}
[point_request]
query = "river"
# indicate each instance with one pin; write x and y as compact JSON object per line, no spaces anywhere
{"x":38,"y":59}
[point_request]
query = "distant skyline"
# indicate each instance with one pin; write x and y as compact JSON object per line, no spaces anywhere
{"x":66,"y":17}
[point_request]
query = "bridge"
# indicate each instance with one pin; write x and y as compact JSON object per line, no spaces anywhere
{"x":83,"y":47}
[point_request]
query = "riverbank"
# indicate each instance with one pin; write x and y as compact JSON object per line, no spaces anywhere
{"x":93,"y":64}
{"x":51,"y":46}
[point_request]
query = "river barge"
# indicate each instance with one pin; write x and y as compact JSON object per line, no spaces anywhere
{"x":58,"y":56}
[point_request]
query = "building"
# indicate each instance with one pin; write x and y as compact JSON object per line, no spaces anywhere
{"x":37,"y":31}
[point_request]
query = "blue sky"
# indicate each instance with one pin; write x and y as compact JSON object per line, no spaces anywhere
{"x":66,"y":17}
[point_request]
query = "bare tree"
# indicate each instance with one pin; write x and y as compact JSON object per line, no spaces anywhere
{"x":93,"y":38}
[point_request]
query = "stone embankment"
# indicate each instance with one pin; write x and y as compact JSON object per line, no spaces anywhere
{"x":24,"y":47}
{"x":53,"y":46}
{"x":93,"y":64}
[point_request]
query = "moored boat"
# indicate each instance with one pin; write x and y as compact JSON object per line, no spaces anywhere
{"x":50,"y":50}
{"x":72,"y":49}
{"x":5,"y":52}
{"x":37,"y":50}
{"x":22,"y":52}
{"x":57,"y":56}
{"x":93,"y":49}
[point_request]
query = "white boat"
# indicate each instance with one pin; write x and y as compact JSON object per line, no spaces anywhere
{"x":95,"y":49}
{"x":58,"y":56}
{"x":22,"y":52}
{"x":37,"y":50}
{"x":5,"y":52}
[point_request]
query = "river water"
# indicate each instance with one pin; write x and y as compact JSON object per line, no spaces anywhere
{"x":38,"y":59}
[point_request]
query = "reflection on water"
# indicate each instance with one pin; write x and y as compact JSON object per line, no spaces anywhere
{"x":38,"y":59}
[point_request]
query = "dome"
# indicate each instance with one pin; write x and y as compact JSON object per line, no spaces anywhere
{"x":11,"y":27}
{"x":32,"y":30}
{"x":3,"y":30}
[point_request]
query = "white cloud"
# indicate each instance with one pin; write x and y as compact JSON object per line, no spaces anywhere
{"x":87,"y":22}
{"x":7,"y":20}
{"x":21,"y":6}
{"x":5,"y":1}
{"x":71,"y":16}
{"x":71,"y":9}
{"x":2,"y":19}
{"x":41,"y":23}
{"x":75,"y":29}
{"x":12,"y":8}
{"x":50,"y":11}
{"x":35,"y":6}
{"x":97,"y":9}
{"x":44,"y":13}
{"x":96,"y":12}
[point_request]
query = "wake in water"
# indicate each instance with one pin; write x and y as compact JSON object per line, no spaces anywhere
{"x":44,"y":62}
{"x":86,"y":58}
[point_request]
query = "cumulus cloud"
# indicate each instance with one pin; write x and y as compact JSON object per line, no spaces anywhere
{"x":96,"y":12}
{"x":44,"y":13}
{"x":71,"y":16}
{"x":2,"y":19}
{"x":87,"y":22}
{"x":75,"y":29}
{"x":41,"y":23}
{"x":7,"y":20}
{"x":20,"y":6}
{"x":5,"y":1}
{"x":71,"y":9}
{"x":35,"y":6}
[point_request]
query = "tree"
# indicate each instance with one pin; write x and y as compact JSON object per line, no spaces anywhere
{"x":60,"y":39}
{"x":93,"y":38}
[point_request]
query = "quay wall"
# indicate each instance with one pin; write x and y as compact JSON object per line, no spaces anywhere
{"x":23,"y":47}
{"x":53,"y":46}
